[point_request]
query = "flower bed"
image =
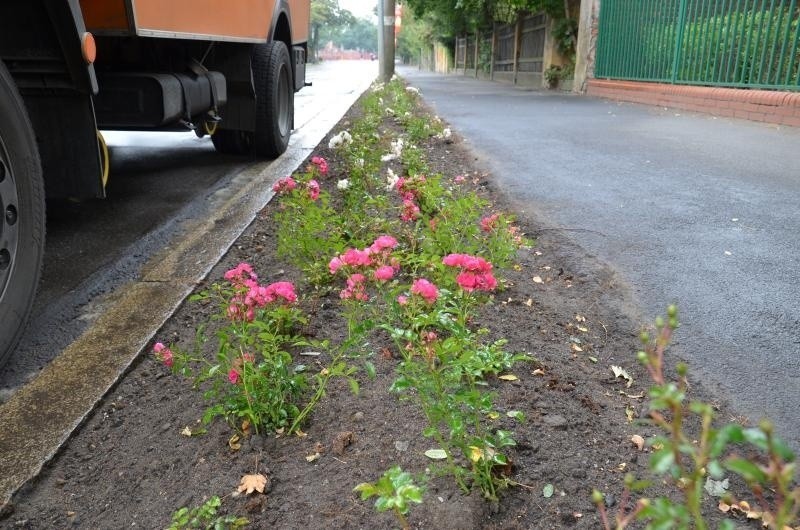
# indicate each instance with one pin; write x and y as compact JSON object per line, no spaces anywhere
{"x":383,"y":331}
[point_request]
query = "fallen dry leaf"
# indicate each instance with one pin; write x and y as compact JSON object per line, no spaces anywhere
{"x":576,"y":348}
{"x":246,"y":427}
{"x":538,"y":371}
{"x":620,"y":372}
{"x":186,"y":431}
{"x":630,"y":414}
{"x":235,"y":442}
{"x":508,"y":377}
{"x":638,"y":441}
{"x":529,"y":302}
{"x":250,"y":483}
{"x":300,"y":434}
{"x":312,"y":457}
{"x":583,"y":329}
{"x":537,"y":279}
{"x":580,"y":318}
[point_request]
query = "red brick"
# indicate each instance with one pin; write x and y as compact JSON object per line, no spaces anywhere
{"x":794,"y":121}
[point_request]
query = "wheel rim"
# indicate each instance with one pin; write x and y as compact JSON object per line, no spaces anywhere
{"x":283,"y":101}
{"x":9,"y":226}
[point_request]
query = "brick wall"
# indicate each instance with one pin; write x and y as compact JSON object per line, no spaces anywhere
{"x":781,"y":108}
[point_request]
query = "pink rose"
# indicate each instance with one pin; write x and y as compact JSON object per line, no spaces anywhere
{"x":284,"y":185}
{"x":384,"y":273}
{"x":402,"y":300}
{"x":313,"y":189}
{"x":383,"y":243}
{"x":233,"y":376}
{"x":335,"y":264}
{"x":425,"y":289}
{"x":488,"y":223}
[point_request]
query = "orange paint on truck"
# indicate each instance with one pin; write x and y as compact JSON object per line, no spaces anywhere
{"x":235,"y":20}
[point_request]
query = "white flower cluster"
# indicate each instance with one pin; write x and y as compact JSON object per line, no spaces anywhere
{"x":412,"y":90}
{"x":445,"y":134}
{"x":343,"y":184}
{"x":342,"y":139}
{"x":397,"y":150}
{"x":377,"y":87}
{"x":391,"y":180}
{"x":389,"y":111}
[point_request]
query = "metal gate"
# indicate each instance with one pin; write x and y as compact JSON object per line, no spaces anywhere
{"x":733,"y":43}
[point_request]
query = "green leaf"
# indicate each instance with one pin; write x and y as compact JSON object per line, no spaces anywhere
{"x":661,"y":461}
{"x":548,"y":491}
{"x":749,"y":471}
{"x":354,"y":388}
{"x":436,"y":454}
{"x":370,"y":369}
{"x":516,"y":414}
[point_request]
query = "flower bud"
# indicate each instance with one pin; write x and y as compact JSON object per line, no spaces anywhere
{"x":642,"y":356}
{"x":672,"y":311}
{"x":644,"y":337}
{"x":766,"y":426}
{"x":597,"y":497}
{"x":682,"y":369}
{"x":659,"y":322}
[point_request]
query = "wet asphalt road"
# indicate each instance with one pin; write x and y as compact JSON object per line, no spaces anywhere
{"x":689,"y":209}
{"x":160,"y":186}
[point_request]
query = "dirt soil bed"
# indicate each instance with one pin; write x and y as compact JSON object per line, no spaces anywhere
{"x":129,"y":466}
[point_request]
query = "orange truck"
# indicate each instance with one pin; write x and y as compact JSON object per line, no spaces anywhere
{"x":68,"y":68}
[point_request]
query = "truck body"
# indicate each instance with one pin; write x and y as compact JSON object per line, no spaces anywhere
{"x":69,"y":68}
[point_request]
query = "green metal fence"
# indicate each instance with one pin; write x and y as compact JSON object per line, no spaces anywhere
{"x":733,"y":43}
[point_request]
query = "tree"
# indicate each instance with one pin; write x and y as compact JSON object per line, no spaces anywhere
{"x":324,"y":14}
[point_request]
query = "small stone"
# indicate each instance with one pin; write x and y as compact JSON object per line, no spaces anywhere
{"x":610,"y":500}
{"x":256,"y":442}
{"x":556,"y":421}
{"x":401,"y":446}
{"x":166,"y":427}
{"x":579,"y":472}
{"x":358,"y":416}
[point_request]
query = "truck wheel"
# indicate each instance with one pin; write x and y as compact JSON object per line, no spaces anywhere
{"x":272,"y":77}
{"x":21,"y":216}
{"x":232,"y":142}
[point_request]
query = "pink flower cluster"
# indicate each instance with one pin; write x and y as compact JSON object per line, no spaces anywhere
{"x":408,"y":188}
{"x":250,"y":295}
{"x":163,"y":354}
{"x":476,"y":272}
{"x":321,"y":163}
{"x":313,"y":190}
{"x":356,"y":288}
{"x":488,"y":223}
{"x":425,"y":289}
{"x":284,"y":185}
{"x":377,"y":255}
{"x":410,"y":211}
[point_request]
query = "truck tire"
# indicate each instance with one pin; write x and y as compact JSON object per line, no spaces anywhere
{"x":232,"y":142}
{"x":272,"y":77}
{"x":22,"y":221}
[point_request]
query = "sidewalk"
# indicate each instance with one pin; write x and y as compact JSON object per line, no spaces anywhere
{"x":688,"y":208}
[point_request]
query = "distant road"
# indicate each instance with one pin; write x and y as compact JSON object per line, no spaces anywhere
{"x":689,"y":209}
